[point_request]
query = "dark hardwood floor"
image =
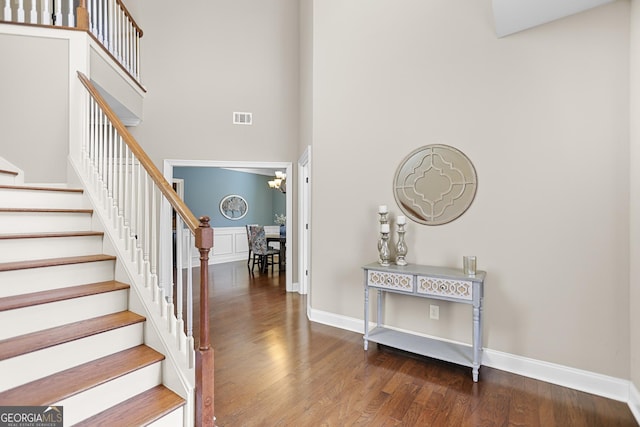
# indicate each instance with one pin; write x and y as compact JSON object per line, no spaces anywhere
{"x":275,"y":368}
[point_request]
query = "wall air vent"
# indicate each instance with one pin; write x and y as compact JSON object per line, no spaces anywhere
{"x":242,"y":118}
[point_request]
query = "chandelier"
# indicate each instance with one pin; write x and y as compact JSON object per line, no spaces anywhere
{"x":279,"y":182}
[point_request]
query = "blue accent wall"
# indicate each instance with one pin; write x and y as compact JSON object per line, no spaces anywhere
{"x":205,"y":187}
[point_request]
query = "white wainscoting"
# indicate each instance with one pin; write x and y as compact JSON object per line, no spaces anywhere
{"x":229,"y":244}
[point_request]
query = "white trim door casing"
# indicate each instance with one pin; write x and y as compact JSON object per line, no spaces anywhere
{"x":304,"y":224}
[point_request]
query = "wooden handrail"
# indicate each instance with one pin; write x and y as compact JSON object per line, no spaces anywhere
{"x":133,"y":21}
{"x":166,"y":189}
{"x":204,"y":396}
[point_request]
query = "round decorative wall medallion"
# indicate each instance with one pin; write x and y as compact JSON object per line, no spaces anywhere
{"x":435,"y":184}
{"x":233,"y":207}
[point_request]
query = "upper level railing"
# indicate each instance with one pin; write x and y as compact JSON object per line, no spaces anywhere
{"x":108,"y":21}
{"x":131,"y":192}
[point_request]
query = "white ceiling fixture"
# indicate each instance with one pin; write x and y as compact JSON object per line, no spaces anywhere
{"x":512,"y":16}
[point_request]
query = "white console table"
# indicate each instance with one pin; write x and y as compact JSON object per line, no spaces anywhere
{"x":449,"y":284}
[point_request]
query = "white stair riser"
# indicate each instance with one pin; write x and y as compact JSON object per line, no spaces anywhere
{"x":10,"y":198}
{"x":49,"y":247}
{"x":172,"y":419}
{"x":97,"y":399}
{"x":34,"y":318}
{"x":32,"y":366}
{"x":16,"y":282}
{"x":7,"y":179}
{"x":42,"y":222}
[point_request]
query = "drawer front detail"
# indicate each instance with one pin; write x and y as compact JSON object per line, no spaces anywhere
{"x":460,"y":289}
{"x":381,"y":279}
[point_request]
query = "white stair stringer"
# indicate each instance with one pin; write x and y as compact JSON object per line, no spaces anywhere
{"x":28,"y":367}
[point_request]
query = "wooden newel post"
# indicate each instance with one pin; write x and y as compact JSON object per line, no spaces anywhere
{"x":204,"y":353}
{"x":82,"y":16}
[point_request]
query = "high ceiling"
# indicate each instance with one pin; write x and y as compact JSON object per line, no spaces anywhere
{"x":512,"y":16}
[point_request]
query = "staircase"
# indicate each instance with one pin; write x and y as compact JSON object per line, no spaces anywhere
{"x":68,"y":338}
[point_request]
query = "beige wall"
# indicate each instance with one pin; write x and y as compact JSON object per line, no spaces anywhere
{"x":202,"y":63}
{"x":34,"y":106}
{"x":543,"y":114}
{"x":634,"y":299}
{"x":306,"y":75}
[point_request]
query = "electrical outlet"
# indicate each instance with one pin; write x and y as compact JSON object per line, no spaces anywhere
{"x":434,"y":312}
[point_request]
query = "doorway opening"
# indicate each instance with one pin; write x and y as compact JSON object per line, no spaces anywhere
{"x":263,"y":168}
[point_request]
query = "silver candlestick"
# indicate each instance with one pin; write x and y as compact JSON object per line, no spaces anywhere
{"x":385,"y":254}
{"x":401,"y":246}
{"x":383,"y":220}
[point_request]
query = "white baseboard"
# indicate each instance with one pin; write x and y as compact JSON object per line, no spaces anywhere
{"x":566,"y":376}
{"x":336,"y":320}
{"x":590,"y":382}
{"x":634,"y":401}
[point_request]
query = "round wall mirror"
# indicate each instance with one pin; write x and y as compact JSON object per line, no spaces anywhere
{"x":435,"y":184}
{"x":233,"y":207}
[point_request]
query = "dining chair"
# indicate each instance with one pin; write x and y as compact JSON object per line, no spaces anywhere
{"x":260,"y":251}
{"x":249,"y":242}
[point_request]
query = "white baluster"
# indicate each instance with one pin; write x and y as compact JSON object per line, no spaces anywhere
{"x":46,"y":13}
{"x":7,"y":10}
{"x":137,"y":74}
{"x":179,"y":256}
{"x":99,"y":21}
{"x":144,"y":227}
{"x":139,"y":220}
{"x":115,"y":170}
{"x":70,"y":16}
{"x":110,"y":157}
{"x":126,"y":196}
{"x":91,"y":10}
{"x":132,"y":219}
{"x":111,"y":25}
{"x":154,"y":235}
{"x":57,"y":20}
{"x":117,"y":36}
{"x":126,"y":36}
{"x":103,"y":144}
{"x":121,"y":196}
{"x":190,"y":246}
{"x":33,"y":16}
{"x":21,"y":11}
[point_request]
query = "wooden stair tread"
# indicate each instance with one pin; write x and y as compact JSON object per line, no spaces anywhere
{"x":36,"y":298}
{"x":50,"y":235}
{"x":51,"y":262}
{"x":7,"y":172}
{"x":140,"y":410}
{"x":69,"y":382}
{"x":41,"y":188}
{"x":15,"y":346}
{"x":46,"y":210}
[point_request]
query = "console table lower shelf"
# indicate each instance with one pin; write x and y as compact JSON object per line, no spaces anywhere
{"x":449,"y":352}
